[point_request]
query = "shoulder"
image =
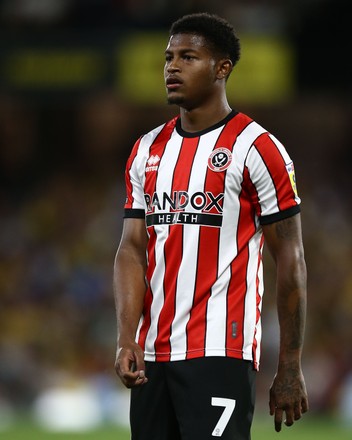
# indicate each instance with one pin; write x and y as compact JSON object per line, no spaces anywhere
{"x":144,"y":144}
{"x":248,"y":133}
{"x":258,"y":135}
{"x":149,"y":137}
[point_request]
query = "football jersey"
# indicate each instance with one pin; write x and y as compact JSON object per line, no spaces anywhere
{"x":204,"y":197}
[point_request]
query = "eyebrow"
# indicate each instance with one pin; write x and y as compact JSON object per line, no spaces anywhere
{"x":182,"y":50}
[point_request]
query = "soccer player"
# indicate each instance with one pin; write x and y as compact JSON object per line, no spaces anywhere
{"x":204,"y":191}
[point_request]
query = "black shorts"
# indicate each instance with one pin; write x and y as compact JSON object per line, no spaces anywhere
{"x":196,"y":399}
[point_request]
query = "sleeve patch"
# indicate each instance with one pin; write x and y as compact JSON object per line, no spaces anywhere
{"x":291,"y":172}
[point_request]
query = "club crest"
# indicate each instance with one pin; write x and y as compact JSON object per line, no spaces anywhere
{"x":220,"y":159}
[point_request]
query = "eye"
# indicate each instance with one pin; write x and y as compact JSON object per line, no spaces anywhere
{"x":169,"y":56}
{"x":188,"y":57}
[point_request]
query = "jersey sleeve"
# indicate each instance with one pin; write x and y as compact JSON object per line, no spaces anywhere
{"x":134,"y":204}
{"x":272,"y":180}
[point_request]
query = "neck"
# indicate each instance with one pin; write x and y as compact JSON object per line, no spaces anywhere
{"x":201,"y":118}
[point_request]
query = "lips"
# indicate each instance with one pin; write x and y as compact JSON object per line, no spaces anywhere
{"x":172,"y":82}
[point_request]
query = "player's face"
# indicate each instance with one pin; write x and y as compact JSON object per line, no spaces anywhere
{"x":190,"y":71}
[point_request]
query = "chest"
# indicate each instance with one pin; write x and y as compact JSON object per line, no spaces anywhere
{"x":190,"y":174}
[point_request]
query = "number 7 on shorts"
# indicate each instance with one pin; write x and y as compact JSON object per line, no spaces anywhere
{"x":229,"y":405}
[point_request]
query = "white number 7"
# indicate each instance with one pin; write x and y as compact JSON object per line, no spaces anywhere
{"x":229,"y":405}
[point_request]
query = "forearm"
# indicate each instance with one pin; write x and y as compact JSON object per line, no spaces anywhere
{"x":129,"y":291}
{"x":291,"y":305}
{"x":284,"y":239}
{"x":288,"y":392}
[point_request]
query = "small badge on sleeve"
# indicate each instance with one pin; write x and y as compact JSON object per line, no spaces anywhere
{"x":291,"y":172}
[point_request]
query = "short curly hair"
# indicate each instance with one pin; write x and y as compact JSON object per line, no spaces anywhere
{"x":219,"y":33}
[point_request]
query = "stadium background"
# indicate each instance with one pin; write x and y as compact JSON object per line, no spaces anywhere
{"x":80,"y":80}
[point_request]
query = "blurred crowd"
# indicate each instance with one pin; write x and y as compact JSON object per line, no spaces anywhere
{"x":127,"y":13}
{"x":62,"y":194}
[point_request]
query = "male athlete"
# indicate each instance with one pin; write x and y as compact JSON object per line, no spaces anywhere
{"x":204,"y":191}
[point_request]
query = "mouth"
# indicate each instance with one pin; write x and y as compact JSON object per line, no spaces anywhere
{"x":173,"y":83}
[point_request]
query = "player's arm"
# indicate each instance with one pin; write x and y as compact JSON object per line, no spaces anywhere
{"x":129,"y":291}
{"x":288,"y":391}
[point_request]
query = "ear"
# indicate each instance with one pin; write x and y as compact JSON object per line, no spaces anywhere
{"x":224,"y":68}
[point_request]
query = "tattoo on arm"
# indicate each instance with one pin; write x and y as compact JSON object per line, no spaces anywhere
{"x":297,"y":320}
{"x":289,"y":386}
{"x":291,"y":280}
{"x":286,"y":229}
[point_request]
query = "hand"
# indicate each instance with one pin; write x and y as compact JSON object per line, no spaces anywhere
{"x":288,"y":395}
{"x":129,"y":365}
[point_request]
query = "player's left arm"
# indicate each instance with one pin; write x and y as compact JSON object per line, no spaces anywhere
{"x":288,"y":391}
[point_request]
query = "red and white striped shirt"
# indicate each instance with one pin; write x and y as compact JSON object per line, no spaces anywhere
{"x":204,"y":197}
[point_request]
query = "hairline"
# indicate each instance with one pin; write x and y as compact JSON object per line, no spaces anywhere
{"x":213,"y":48}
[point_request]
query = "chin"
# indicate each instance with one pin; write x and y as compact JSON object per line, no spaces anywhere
{"x":178,"y":100}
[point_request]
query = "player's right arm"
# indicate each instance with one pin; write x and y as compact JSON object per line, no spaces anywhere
{"x":129,"y":290}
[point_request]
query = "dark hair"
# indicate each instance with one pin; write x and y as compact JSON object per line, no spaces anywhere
{"x":218,"y":33}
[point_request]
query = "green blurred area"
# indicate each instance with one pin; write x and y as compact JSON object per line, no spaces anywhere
{"x":309,"y":428}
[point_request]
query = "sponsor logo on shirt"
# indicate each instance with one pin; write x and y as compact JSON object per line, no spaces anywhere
{"x":185,"y":218}
{"x":199,"y":208}
{"x":181,"y":200}
{"x":152,"y":163}
{"x":220,"y":159}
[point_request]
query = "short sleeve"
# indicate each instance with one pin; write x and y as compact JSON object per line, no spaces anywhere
{"x":272,"y":179}
{"x":134,"y":204}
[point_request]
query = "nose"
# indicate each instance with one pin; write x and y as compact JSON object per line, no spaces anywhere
{"x":172,"y":66}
